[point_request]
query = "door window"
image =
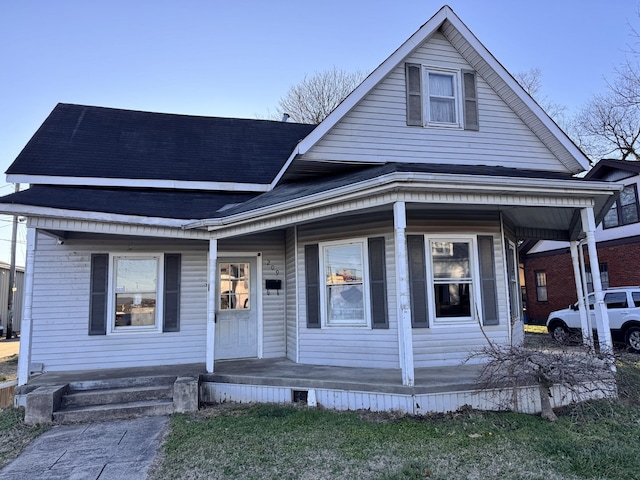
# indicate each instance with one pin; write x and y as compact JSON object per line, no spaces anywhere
{"x":234,"y":286}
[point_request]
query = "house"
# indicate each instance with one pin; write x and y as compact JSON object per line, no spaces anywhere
{"x":382,"y":240}
{"x":548,"y":263}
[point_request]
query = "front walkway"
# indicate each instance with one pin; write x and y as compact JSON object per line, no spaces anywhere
{"x":108,"y":451}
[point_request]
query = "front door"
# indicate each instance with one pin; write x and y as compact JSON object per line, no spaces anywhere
{"x":237,"y":309}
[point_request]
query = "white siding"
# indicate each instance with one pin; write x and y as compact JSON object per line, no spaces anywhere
{"x":291,"y":298}
{"x":375,"y":130}
{"x":437,"y":345}
{"x":61,"y":304}
{"x":61,"y":307}
{"x":451,"y":345}
{"x":355,"y":347}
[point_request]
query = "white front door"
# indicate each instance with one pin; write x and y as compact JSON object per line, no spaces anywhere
{"x":237,"y":309}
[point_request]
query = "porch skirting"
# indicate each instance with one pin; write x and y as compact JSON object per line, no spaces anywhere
{"x":281,"y":381}
{"x":527,"y":399}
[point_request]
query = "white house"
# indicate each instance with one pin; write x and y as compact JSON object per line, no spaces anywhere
{"x":383,"y":238}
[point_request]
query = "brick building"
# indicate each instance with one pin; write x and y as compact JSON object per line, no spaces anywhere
{"x":547,"y":265}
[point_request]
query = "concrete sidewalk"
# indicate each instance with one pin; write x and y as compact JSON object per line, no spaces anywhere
{"x":122,"y":450}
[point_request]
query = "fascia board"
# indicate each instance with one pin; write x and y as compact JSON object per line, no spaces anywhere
{"x":426,"y":182}
{"x":35,"y":211}
{"x":137,"y":183}
{"x":366,"y":86}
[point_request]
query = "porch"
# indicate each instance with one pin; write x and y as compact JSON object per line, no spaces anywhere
{"x":437,"y":389}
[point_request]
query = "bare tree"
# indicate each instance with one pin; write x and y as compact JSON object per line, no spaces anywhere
{"x":579,"y":373}
{"x":315,"y":97}
{"x":609,"y":125}
{"x":531,"y":81}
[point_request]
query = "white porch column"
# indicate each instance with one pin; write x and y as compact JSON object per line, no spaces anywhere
{"x":600,"y":309}
{"x":405,"y":336}
{"x":587,"y":335}
{"x":26,"y":331}
{"x":211,"y":304}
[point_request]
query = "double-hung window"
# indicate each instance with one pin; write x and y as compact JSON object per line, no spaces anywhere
{"x":452,"y":273}
{"x":441,"y":97}
{"x":344,"y":291}
{"x":625,"y":210}
{"x":541,"y":286}
{"x":134,"y":293}
{"x":452,"y":280}
{"x":442,"y":106}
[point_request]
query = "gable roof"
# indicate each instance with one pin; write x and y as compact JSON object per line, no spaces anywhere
{"x":473,"y":51}
{"x":606,"y":166}
{"x":78,"y":143}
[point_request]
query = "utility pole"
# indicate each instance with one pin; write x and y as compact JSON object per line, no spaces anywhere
{"x":12,"y":274}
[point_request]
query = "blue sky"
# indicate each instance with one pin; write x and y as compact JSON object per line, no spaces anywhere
{"x":236,"y":59}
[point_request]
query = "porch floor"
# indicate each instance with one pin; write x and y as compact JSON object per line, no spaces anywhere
{"x":284,"y":372}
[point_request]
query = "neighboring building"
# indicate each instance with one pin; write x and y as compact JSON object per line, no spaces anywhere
{"x":5,"y":290}
{"x":548,"y":267}
{"x":385,"y":237}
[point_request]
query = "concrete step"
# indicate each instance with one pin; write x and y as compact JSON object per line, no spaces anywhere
{"x":81,"y":398}
{"x":116,"y":411}
{"x":109,"y":383}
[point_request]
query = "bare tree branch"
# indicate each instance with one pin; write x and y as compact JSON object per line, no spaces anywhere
{"x":315,"y":97}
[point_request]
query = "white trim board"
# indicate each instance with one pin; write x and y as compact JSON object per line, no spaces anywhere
{"x":138,"y":183}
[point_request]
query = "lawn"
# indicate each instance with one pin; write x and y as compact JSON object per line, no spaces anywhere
{"x":230,"y":441}
{"x":598,"y":441}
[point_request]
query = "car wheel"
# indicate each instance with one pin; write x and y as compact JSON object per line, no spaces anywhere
{"x":632,"y":339}
{"x":559,"y":332}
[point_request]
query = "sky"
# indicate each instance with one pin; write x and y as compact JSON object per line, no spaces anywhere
{"x":238,"y":58}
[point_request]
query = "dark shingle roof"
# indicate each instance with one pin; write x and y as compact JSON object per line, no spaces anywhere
{"x":293,"y":190}
{"x":84,"y":141}
{"x":175,"y":204}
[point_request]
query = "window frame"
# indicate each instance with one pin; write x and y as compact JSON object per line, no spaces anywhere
{"x":618,"y":209}
{"x":539,"y":286}
{"x":456,"y":76}
{"x":474,"y":282}
{"x":604,"y":269}
{"x":157,"y":327}
{"x":324,"y":312}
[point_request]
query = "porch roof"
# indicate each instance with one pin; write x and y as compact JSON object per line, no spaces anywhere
{"x":537,"y":204}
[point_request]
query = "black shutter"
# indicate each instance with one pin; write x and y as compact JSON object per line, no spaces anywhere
{"x":171,"y":314}
{"x":413,"y":77}
{"x":488,"y":280}
{"x":99,"y":292}
{"x":417,"y":281}
{"x":312,"y":280}
{"x":470,"y":96}
{"x":378,"y":283}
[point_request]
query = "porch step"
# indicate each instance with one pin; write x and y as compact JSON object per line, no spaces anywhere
{"x":114,"y":411}
{"x":116,"y":398}
{"x":85,"y":398}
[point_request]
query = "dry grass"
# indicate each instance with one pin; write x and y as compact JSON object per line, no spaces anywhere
{"x":8,"y":368}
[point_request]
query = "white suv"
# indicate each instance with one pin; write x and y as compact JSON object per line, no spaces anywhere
{"x":623,"y":306}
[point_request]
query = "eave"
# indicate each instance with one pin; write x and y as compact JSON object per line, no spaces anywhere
{"x":137,"y":183}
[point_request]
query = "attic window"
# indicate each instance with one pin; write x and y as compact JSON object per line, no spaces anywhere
{"x":441,"y":98}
